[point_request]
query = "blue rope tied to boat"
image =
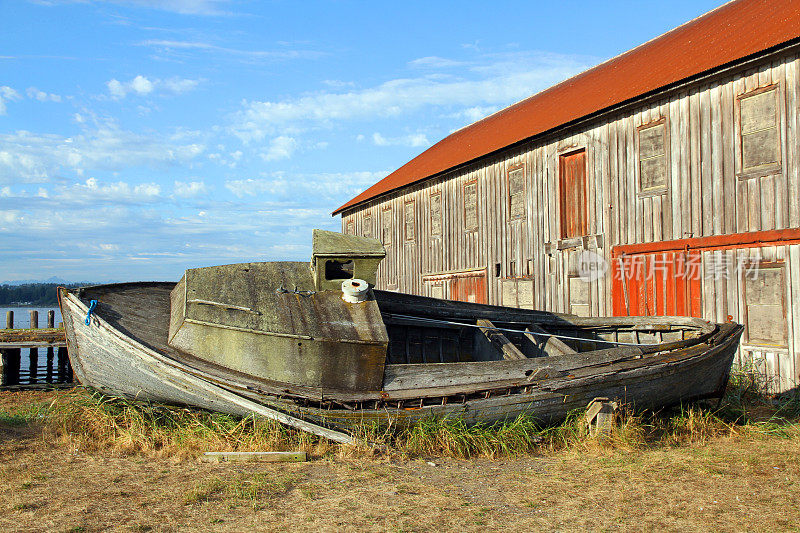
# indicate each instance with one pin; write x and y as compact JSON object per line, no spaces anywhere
{"x":92,"y":305}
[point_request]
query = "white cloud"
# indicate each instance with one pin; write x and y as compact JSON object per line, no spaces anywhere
{"x":177,"y":47}
{"x":413,"y":140}
{"x":502,"y":81}
{"x":280,"y":148}
{"x":93,"y":191}
{"x":183,"y":7}
{"x":42,"y":96}
{"x":434,"y":62}
{"x":7,"y":94}
{"x":190,"y":189}
{"x":143,"y":86}
{"x":9,"y":217}
{"x":116,"y":88}
{"x":323,"y":187}
{"x":473,"y":114}
{"x":31,"y":157}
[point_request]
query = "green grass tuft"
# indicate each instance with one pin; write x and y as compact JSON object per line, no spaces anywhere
{"x":91,"y":421}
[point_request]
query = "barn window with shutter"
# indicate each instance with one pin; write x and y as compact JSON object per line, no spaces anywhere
{"x":436,"y":213}
{"x":759,"y":149}
{"x":652,"y":143}
{"x":408,"y":219}
{"x":471,"y":205}
{"x":765,"y":304}
{"x":572,"y":194}
{"x":386,"y":225}
{"x":366,"y":225}
{"x":349,"y":227}
{"x":516,"y":192}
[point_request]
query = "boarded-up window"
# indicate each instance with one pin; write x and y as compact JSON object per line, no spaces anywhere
{"x":653,"y":158}
{"x":572,"y":189}
{"x":517,"y":292}
{"x":408,"y":219}
{"x":436,"y":213}
{"x":366,"y":225}
{"x":386,"y":226}
{"x":766,"y":306}
{"x":471,"y":205}
{"x":516,"y":192}
{"x":579,"y":296}
{"x":437,"y":290}
{"x":760,"y":141}
{"x":349,"y":227}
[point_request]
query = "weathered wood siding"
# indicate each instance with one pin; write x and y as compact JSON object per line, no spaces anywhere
{"x":706,"y":193}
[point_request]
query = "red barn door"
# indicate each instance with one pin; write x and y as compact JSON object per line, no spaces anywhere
{"x":469,"y":287}
{"x":658,"y":284}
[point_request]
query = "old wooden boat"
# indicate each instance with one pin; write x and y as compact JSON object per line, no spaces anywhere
{"x":281,"y":340}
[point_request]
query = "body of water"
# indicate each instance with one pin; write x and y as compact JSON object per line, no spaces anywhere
{"x":21,"y":321}
{"x":22,"y":316}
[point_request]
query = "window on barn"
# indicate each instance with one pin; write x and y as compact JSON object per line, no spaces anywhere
{"x":759,"y":143}
{"x":366,"y":225}
{"x":471,"y":205}
{"x":386,"y":225}
{"x":652,"y":143}
{"x":349,"y":227}
{"x":408,"y":219}
{"x":572,"y":190}
{"x":516,"y":192}
{"x":436,"y":213}
{"x":765,"y":304}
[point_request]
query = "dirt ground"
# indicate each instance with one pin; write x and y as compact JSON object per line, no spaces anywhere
{"x":729,"y":484}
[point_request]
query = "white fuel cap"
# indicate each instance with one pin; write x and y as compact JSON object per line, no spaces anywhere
{"x":354,"y":290}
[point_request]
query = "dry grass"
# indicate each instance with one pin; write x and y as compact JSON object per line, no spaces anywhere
{"x":81,"y":462}
{"x":92,"y":422}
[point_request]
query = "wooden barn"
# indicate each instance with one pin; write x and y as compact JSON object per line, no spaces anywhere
{"x":665,"y":181}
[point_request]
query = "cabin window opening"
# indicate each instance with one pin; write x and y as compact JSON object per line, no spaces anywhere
{"x":336,"y":270}
{"x":497,"y":269}
{"x":366,"y":226}
{"x":759,"y":142}
{"x":516,"y":192}
{"x":652,"y":144}
{"x":572,"y":189}
{"x":349,"y":227}
{"x":436,"y":213}
{"x":512,"y":269}
{"x":386,"y":226}
{"x":765,"y":304}
{"x":408,"y":216}
{"x":471,"y":205}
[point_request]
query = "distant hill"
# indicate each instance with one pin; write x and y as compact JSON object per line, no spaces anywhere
{"x":33,"y":294}
{"x":51,"y":280}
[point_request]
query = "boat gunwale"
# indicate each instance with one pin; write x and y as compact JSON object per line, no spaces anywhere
{"x":286,"y":390}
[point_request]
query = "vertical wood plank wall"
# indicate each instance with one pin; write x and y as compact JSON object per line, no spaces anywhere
{"x":704,"y":197}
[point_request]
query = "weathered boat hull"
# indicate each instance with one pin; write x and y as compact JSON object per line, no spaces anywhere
{"x":124,"y":352}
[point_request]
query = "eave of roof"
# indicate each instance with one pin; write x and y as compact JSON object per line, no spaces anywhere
{"x":731,"y":32}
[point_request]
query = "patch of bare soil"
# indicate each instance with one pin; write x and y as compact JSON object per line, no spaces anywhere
{"x":729,"y":484}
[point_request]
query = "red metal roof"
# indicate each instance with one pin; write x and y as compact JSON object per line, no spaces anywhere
{"x":728,"y":33}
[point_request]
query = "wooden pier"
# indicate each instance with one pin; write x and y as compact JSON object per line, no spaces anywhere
{"x":54,"y":371}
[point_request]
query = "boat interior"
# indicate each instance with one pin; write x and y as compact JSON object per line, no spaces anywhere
{"x":418,"y":333}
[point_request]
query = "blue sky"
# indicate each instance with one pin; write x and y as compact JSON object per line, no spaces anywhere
{"x":142,"y":137}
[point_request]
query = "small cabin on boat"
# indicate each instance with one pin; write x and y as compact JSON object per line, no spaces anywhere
{"x":664,"y":181}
